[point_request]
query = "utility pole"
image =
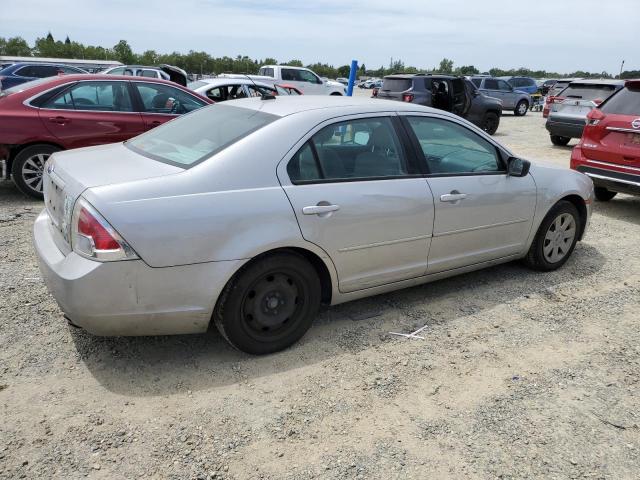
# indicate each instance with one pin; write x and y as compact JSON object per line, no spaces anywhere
{"x":621,"y":67}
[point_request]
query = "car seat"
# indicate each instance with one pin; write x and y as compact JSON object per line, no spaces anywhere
{"x":331,"y":163}
{"x":382,"y":160}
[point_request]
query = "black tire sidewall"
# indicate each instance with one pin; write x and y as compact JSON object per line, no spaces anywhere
{"x":517,"y":109}
{"x":536,"y":255}
{"x":228,"y":318}
{"x":490,"y":116}
{"x":18,"y":162}
{"x":604,"y":195}
{"x":559,"y":140}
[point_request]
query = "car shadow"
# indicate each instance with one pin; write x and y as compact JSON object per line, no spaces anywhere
{"x":622,"y":207}
{"x":151,"y":366}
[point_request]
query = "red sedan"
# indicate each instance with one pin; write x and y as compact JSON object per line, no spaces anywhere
{"x":41,"y":117}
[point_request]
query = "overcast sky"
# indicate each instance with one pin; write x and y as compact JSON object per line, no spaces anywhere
{"x":556,"y":35}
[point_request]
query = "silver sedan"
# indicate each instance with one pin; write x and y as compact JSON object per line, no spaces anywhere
{"x":252,"y":213}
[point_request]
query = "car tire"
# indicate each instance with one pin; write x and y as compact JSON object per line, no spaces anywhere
{"x":560,"y":141}
{"x":556,"y":238}
{"x":490,"y":122}
{"x":604,"y":195}
{"x":336,"y":94}
{"x":521,"y":108}
{"x":269,"y":304}
{"x":27,"y":168}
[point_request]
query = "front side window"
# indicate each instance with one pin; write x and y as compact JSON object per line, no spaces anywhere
{"x":450,"y":148}
{"x":160,"y":98}
{"x":94,"y":96}
{"x":504,"y":86}
{"x":356,"y":149}
{"x":193,"y":138}
{"x":307,"y":76}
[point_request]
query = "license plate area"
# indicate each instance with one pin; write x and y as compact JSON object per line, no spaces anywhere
{"x":57,"y":203}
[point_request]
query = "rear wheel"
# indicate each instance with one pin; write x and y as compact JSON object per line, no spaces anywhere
{"x":560,"y":141}
{"x":490,"y":122}
{"x":556,"y":238}
{"x":270,"y":304}
{"x":521,"y":108}
{"x":604,"y":195}
{"x":28,"y":168}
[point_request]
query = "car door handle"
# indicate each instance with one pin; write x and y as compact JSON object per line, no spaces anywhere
{"x":59,"y":120}
{"x":320,"y":209}
{"x":453,"y":197}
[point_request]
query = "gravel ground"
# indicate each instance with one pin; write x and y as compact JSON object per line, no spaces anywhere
{"x":520,"y":375}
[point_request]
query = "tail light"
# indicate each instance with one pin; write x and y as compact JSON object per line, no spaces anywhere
{"x":408,"y":97}
{"x":94,"y":238}
{"x":595,"y":116}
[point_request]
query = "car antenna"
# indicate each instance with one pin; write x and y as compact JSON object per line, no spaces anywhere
{"x":263,"y":95}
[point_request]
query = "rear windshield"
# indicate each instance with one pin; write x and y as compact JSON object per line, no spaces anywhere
{"x":396,"y":84}
{"x":558,"y":87}
{"x":625,"y":102}
{"x":585,"y":91}
{"x":196,"y":84}
{"x":192,"y":138}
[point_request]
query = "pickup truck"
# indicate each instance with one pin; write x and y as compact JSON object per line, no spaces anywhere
{"x":305,"y":80}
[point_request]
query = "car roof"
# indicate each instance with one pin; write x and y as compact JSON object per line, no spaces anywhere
{"x":408,"y":76}
{"x":602,"y":81}
{"x":334,"y":105}
{"x":50,"y":82}
{"x":48,"y":64}
{"x":231,"y":80}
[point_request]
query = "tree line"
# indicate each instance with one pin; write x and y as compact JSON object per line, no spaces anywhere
{"x":203,"y":63}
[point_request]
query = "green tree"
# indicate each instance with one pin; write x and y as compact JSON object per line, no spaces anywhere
{"x":123,"y":52}
{"x":467,"y":70}
{"x":15,"y":46}
{"x":446,"y":66}
{"x":294,"y":63}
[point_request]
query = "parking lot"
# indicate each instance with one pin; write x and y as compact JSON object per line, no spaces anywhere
{"x":519,"y":374}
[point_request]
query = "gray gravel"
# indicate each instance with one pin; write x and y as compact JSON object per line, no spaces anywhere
{"x":520,"y":375}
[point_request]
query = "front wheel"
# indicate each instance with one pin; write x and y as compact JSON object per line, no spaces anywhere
{"x":556,"y":238}
{"x":560,"y":141}
{"x":604,"y":195}
{"x":28,"y":168}
{"x":521,"y":108}
{"x":270,"y":304}
{"x":490,"y":122}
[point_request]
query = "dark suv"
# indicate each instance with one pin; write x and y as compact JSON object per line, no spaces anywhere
{"x":445,"y":92}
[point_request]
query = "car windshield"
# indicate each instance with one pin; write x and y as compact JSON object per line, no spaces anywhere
{"x":24,"y":86}
{"x":586,"y":91}
{"x":192,"y":138}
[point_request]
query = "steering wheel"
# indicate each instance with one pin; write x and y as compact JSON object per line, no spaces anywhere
{"x":177,"y":107}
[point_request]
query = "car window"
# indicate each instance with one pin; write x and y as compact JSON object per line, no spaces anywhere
{"x":93,"y":96}
{"x":625,"y":102}
{"x":490,"y":84}
{"x":266,"y":72}
{"x":396,"y":84}
{"x":117,"y":71}
{"x":306,"y":76}
{"x":258,"y":91}
{"x":37,"y":71}
{"x":476,"y":82}
{"x":160,"y":98}
{"x":356,"y":149}
{"x":147,"y":73}
{"x":193,"y":138}
{"x":504,"y":86}
{"x":290,"y":74}
{"x":586,"y":91}
{"x":69,"y":70}
{"x":450,"y":148}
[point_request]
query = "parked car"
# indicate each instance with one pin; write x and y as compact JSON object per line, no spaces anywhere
{"x":164,"y":72}
{"x":554,"y":91}
{"x":547,"y":85}
{"x":305,"y":80}
{"x":511,"y":99}
{"x":48,"y":115}
{"x":568,"y":113}
{"x":523,"y":84}
{"x":342,"y":80}
{"x":250,"y":214}
{"x":609,"y":151}
{"x":223,"y":89}
{"x":445,"y":92}
{"x":22,"y":72}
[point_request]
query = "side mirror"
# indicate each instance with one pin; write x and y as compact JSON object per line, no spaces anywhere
{"x":517,"y":167}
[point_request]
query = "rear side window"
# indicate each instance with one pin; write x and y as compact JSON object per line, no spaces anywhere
{"x":289,"y":75}
{"x":193,"y":138}
{"x":585,"y":91}
{"x":396,"y":84}
{"x":37,"y":71}
{"x":267,"y":72}
{"x":625,"y":102}
{"x":491,"y":84}
{"x":93,"y":96}
{"x":356,"y":149}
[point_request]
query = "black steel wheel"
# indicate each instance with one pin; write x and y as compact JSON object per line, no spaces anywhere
{"x":270,"y":304}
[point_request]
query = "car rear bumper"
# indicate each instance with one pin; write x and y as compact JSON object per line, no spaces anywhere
{"x":129,"y":297}
{"x":571,"y":129}
{"x":614,"y":177}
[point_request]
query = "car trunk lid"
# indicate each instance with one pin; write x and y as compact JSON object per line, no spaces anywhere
{"x":69,"y":173}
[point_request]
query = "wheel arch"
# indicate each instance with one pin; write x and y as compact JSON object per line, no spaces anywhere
{"x":577,"y":202}
{"x":16,"y":149}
